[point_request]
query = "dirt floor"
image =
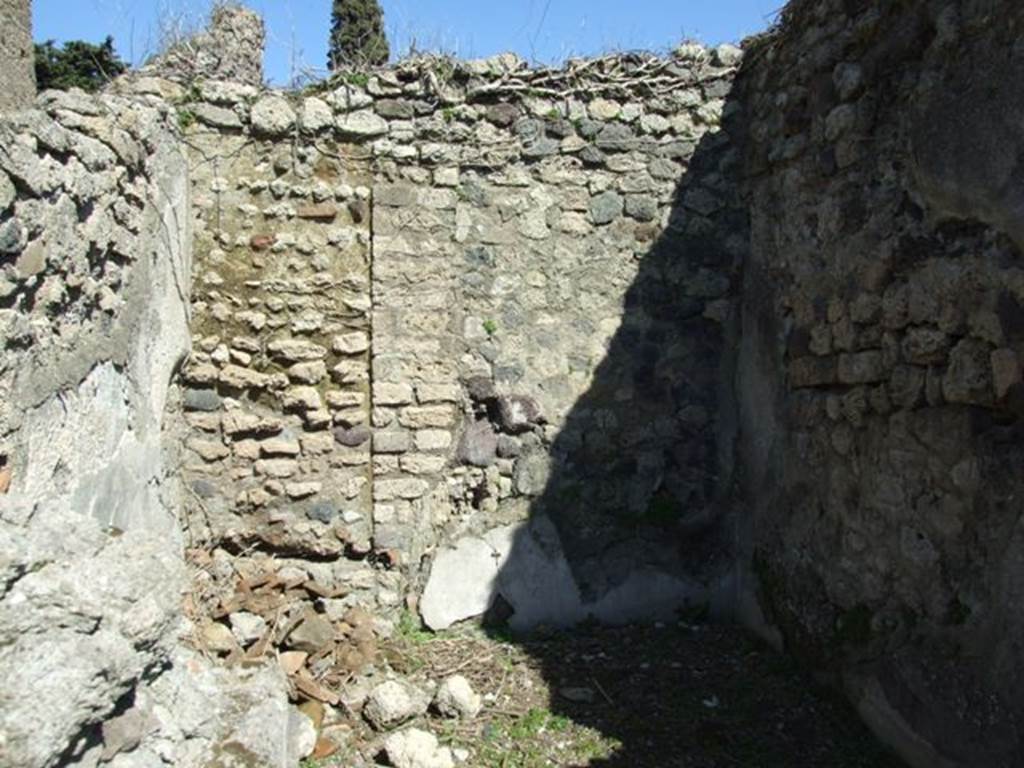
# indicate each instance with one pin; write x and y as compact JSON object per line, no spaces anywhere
{"x":682,"y":695}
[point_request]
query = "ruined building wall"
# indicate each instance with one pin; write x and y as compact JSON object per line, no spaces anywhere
{"x":17,"y":55}
{"x":405,"y":285}
{"x":95,"y":269}
{"x":880,"y":380}
{"x":94,"y":242}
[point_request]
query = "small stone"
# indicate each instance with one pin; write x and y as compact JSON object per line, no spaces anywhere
{"x":517,"y":414}
{"x":352,"y":437}
{"x":502,"y":115}
{"x":302,"y":490}
{"x":301,"y":399}
{"x":395,"y":109}
{"x":316,"y":115}
{"x":848,"y":79}
{"x":392,"y":442}
{"x":202,"y":400}
{"x":641,"y":207}
{"x":478,"y":445}
{"x":541,"y":147}
{"x":237,"y":377}
{"x":603,"y":109}
{"x":394,"y":702}
{"x":531,"y":474}
{"x":32,"y":260}
{"x":323,"y":212}
{"x":276,"y":468}
{"x":362,"y":124}
{"x":391,"y":394}
{"x":294,"y":351}
{"x":261,"y":242}
{"x":414,"y":748}
{"x":302,"y":734}
{"x":308,"y":373}
{"x":218,"y":638}
{"x":727,"y":55}
{"x":968,"y":378}
{"x":247,"y":627}
{"x":508,"y":447}
{"x":616,"y":137}
{"x":322,"y":511}
{"x":311,"y":634}
{"x":279,"y":447}
{"x":216,"y":117}
{"x":480,"y":388}
{"x":606,"y":207}
{"x":239,"y":422}
{"x":437,"y":393}
{"x":354,"y":343}
{"x":209,"y":450}
{"x":272,"y":116}
{"x":455,"y":698}
{"x":433,"y":440}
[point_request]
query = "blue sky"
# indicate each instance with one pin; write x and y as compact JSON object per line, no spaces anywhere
{"x":539,"y":30}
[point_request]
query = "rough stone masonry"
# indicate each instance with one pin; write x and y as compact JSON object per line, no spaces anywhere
{"x":728,"y":329}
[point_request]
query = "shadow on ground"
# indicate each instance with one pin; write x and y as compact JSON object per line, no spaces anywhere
{"x":699,"y":696}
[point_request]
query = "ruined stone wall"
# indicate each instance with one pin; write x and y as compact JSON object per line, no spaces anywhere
{"x":95,"y":262}
{"x":94,"y":242}
{"x":880,"y":375}
{"x":17,"y":55}
{"x":436,"y":302}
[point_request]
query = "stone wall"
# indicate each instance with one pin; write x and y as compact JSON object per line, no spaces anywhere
{"x":95,"y":261}
{"x":509,"y":256}
{"x":880,"y":379}
{"x":17,"y":56}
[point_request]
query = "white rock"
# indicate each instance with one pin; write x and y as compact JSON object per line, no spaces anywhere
{"x":362,"y":124}
{"x":348,"y":98}
{"x":272,"y":116}
{"x":456,"y":698}
{"x":316,"y":115}
{"x":394,"y":702}
{"x":302,"y":734}
{"x":247,"y":627}
{"x":414,"y":748}
{"x":603,"y":109}
{"x":727,"y":55}
{"x":222,"y":92}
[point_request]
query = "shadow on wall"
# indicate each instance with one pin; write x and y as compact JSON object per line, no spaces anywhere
{"x":633,"y":518}
{"x":635,"y":522}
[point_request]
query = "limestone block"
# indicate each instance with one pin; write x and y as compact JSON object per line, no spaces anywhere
{"x":414,"y":417}
{"x":405,"y":488}
{"x":385,"y":393}
{"x":272,"y":116}
{"x":433,"y":440}
{"x":301,"y":399}
{"x":360,"y":124}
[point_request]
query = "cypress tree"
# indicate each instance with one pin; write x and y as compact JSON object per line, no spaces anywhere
{"x":357,"y":35}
